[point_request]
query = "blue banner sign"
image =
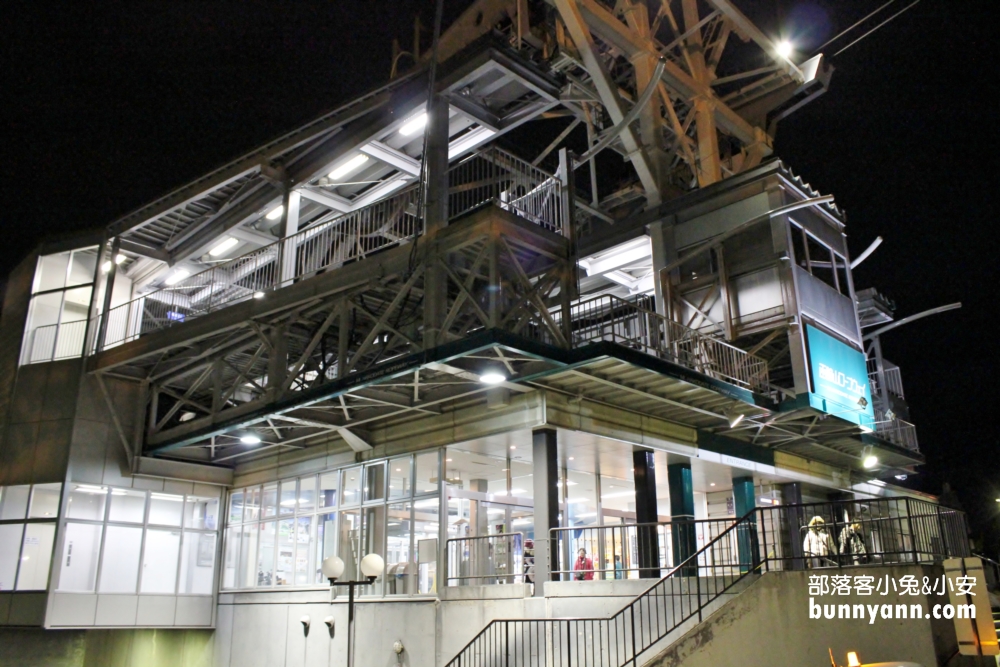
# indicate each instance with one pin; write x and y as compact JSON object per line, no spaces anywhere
{"x":840,"y":384}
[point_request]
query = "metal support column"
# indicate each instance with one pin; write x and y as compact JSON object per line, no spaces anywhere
{"x":435,"y":218}
{"x":791,"y":494}
{"x":108,"y":293}
{"x":744,"y":500}
{"x":648,"y":543}
{"x":545,"y":478}
{"x":289,"y":227}
{"x":685,"y":542}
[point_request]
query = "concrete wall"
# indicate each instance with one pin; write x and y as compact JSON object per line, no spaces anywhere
{"x":769,"y":624}
{"x":105,"y":648}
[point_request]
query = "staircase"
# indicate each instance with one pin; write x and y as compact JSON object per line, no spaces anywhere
{"x":896,"y":531}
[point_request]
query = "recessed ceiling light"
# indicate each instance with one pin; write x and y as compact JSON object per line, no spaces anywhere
{"x":250,"y":439}
{"x":276,"y":212}
{"x":492,"y":378}
{"x":414,"y":124}
{"x":712,"y":484}
{"x":349,"y":166}
{"x":224,"y":246}
{"x":177,"y":276}
{"x":258,"y":295}
{"x":449,"y":460}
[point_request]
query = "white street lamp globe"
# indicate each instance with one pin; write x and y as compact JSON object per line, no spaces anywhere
{"x":333,"y":568}
{"x":372,"y":565}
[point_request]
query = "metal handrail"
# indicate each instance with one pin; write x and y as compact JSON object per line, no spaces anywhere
{"x":694,"y":586}
{"x":486,"y":558}
{"x":52,"y":342}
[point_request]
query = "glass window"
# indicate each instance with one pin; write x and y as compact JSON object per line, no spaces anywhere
{"x":617,"y":494}
{"x":230,"y":563}
{"x":86,"y":501}
{"x":375,"y":482}
{"x":425,"y":539}
{"x":265,"y":555}
{"x":427,"y":473}
{"x":288,"y":500}
{"x":399,"y":478}
{"x":159,"y":562}
{"x":51,"y":272}
{"x":307,"y":495}
{"x":127,"y":506}
{"x":375,"y":540}
{"x":15,"y":502}
{"x":120,"y":562}
{"x":44,"y":501}
{"x":349,"y":542}
{"x":352,"y":486}
{"x":328,"y":489}
{"x":326,"y":540}
{"x":165,"y":509}
{"x":197,"y":564}
{"x":201,"y":513}
{"x":400,"y":565}
{"x":10,"y":543}
{"x":304,"y":552}
{"x":248,"y":556}
{"x":251,"y":511}
{"x":236,"y":507}
{"x":581,"y":498}
{"x":81,"y":546}
{"x":36,"y":556}
{"x":522,"y":483}
{"x":284,"y":570}
{"x":270,"y":500}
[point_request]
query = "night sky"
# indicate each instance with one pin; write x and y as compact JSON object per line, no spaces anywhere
{"x":106,"y":106}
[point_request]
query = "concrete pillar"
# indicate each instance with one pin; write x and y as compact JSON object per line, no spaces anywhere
{"x":794,"y":519}
{"x":545,"y":477}
{"x":746,"y":534}
{"x":684,"y":539}
{"x":435,"y":218}
{"x":648,"y":543}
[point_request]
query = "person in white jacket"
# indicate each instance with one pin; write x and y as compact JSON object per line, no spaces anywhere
{"x":817,"y":545}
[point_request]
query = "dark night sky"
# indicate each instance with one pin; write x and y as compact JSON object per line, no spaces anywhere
{"x":109,"y":105}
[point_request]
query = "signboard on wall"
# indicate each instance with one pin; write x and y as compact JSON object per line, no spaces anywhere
{"x":839,"y":375}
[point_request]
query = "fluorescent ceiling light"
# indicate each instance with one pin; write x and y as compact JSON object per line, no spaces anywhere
{"x":224,"y":246}
{"x":177,"y":276}
{"x":87,"y":488}
{"x":521,"y":522}
{"x":582,"y":516}
{"x":575,"y":501}
{"x":876,"y":482}
{"x":492,"y":378}
{"x":258,"y":295}
{"x":515,"y":492}
{"x":414,"y":124}
{"x":250,"y":439}
{"x":276,"y":212}
{"x":349,"y":166}
{"x":166,"y":496}
{"x":618,"y":494}
{"x":431,"y":502}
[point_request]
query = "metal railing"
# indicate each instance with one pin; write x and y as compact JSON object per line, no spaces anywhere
{"x":896,"y":431}
{"x":54,"y":342}
{"x":494,"y":176}
{"x":491,"y":176}
{"x":490,"y":559}
{"x":614,"y":319}
{"x":892,"y":531}
{"x":624,"y":551}
{"x":893,"y":379}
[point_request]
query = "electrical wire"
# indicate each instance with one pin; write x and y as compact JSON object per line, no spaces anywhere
{"x":844,"y":32}
{"x":875,"y":28}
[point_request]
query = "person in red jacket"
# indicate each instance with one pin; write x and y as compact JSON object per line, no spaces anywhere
{"x":584,"y":567}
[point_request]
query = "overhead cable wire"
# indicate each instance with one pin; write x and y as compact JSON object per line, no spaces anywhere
{"x":855,"y":25}
{"x":875,"y":28}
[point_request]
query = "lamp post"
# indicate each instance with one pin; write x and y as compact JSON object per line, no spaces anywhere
{"x":333,"y":568}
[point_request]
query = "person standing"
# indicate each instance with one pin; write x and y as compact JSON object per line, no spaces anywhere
{"x":619,"y":570}
{"x":584,"y":567}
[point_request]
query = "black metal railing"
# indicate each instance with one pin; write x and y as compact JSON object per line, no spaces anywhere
{"x":892,"y":531}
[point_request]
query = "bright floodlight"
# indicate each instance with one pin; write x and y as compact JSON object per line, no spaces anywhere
{"x":372,"y":565}
{"x":870,"y":461}
{"x":333,"y":568}
{"x":177,"y":276}
{"x":349,"y":166}
{"x":224,"y":246}
{"x":250,"y":439}
{"x":276,"y":212}
{"x":413,"y":125}
{"x":492,"y":377}
{"x":785,"y":48}
{"x":258,"y":295}
{"x":118,"y":260}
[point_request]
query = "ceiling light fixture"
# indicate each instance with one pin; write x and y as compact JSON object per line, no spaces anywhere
{"x":250,"y":439}
{"x":119,"y":258}
{"x":349,"y":166}
{"x":258,"y":295}
{"x":785,"y":49}
{"x":492,"y":377}
{"x":224,"y":246}
{"x":868,"y":458}
{"x":734,"y":417}
{"x":276,"y":212}
{"x":413,"y":125}
{"x":177,"y":276}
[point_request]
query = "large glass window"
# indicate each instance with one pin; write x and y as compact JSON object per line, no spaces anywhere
{"x":81,"y":547}
{"x":159,"y":561}
{"x":59,"y":307}
{"x":377,"y":508}
{"x":120,"y":562}
{"x":26,"y":548}
{"x":197,"y":564}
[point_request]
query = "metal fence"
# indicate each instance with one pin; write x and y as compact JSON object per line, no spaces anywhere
{"x":893,"y":531}
{"x":494,"y":176}
{"x":896,"y":431}
{"x":624,"y":322}
{"x":628,"y":550}
{"x":54,"y":342}
{"x":490,"y":559}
